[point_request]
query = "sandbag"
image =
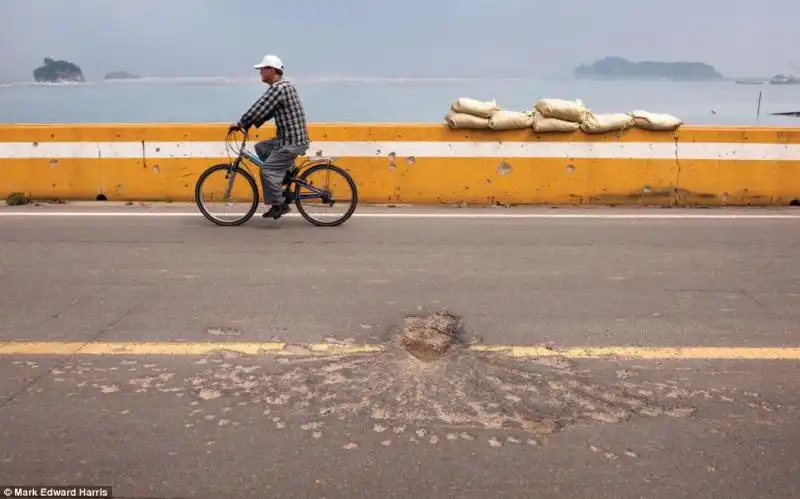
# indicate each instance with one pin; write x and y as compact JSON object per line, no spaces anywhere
{"x":542,"y":124}
{"x":484,"y":109}
{"x":465,"y":121}
{"x":562,"y":109}
{"x":602,"y":123}
{"x":655,"y":122}
{"x":511,"y":120}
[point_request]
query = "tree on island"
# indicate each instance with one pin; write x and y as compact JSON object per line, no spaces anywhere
{"x":618,"y":67}
{"x":58,"y":71}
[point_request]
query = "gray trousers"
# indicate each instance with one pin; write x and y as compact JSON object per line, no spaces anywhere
{"x":277,"y":161}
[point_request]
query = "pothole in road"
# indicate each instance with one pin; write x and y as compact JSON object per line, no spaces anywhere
{"x":428,"y":338}
{"x":426,"y":377}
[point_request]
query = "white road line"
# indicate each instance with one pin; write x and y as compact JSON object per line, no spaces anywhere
{"x":574,"y":216}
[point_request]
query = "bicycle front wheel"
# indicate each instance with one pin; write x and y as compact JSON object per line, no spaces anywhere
{"x":322,"y":189}
{"x":224,"y":198}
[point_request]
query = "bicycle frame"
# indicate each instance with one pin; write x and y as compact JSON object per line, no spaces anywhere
{"x":291,"y":175}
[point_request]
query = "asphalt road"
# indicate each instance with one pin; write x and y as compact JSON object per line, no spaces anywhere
{"x":385,"y":425}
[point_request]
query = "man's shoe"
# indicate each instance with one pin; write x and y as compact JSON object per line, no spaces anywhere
{"x":277,"y":212}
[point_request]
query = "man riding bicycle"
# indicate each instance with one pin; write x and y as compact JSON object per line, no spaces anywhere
{"x":282,"y":102}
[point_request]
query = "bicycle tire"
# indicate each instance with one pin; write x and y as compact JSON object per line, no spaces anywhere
{"x":350,"y":182}
{"x":239,"y":171}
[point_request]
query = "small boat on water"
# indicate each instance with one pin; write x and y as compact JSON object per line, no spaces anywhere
{"x":784,"y":80}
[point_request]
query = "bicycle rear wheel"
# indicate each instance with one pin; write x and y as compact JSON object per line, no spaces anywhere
{"x":328,"y":194}
{"x":217,"y":192}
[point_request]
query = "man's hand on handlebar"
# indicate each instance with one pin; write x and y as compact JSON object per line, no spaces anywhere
{"x":234,"y":127}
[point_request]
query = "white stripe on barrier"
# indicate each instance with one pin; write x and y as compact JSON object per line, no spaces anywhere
{"x":567,"y":150}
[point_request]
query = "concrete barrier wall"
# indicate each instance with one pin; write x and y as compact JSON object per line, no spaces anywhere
{"x":422,"y":163}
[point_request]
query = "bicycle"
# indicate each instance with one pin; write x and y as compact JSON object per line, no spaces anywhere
{"x":293,"y":177}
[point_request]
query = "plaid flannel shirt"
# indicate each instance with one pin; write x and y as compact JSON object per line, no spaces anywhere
{"x":281,"y":102}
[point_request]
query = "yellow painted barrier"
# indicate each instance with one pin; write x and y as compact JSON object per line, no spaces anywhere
{"x":423,"y":164}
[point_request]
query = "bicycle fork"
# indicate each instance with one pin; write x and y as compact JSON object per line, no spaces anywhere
{"x":231,"y":178}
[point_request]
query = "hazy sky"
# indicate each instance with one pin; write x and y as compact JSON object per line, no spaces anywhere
{"x":402,"y":37}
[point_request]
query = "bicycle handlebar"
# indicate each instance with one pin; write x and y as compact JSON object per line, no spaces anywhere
{"x":244,"y":138}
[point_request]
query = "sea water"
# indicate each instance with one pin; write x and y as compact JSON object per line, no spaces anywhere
{"x":370,"y":100}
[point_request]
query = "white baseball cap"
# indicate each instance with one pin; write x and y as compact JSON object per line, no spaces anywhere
{"x":270,"y":61}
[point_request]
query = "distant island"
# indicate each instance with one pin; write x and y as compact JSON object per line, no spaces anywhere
{"x":54,"y":71}
{"x":618,"y":67}
{"x":120,"y":75}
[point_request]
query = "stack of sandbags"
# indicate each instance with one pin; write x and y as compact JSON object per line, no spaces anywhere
{"x":655,"y":122}
{"x":466,"y":113}
{"x":558,"y":115}
{"x":470,"y":113}
{"x":552,"y":116}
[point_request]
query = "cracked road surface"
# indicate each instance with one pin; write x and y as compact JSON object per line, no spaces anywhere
{"x":386,"y":424}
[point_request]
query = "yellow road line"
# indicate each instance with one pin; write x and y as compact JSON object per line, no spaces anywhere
{"x":177,"y":348}
{"x":290,"y":349}
{"x":678,"y":353}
